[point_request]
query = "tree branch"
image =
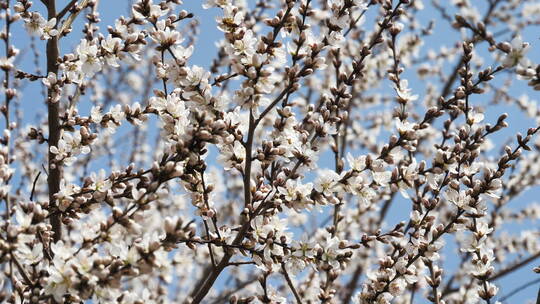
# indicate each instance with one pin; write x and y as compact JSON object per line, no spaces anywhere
{"x":66,"y":9}
{"x":291,"y":285}
{"x":53,"y":179}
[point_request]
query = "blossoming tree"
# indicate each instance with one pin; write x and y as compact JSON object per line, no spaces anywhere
{"x":269,"y":175}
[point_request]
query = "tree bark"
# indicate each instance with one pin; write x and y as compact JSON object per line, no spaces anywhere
{"x":53,"y":179}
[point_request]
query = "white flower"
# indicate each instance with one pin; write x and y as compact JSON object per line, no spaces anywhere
{"x":69,"y":146}
{"x":267,"y":84}
{"x":517,"y":52}
{"x":304,"y":248}
{"x":154,"y":13}
{"x":112,"y":46}
{"x":73,"y":71}
{"x":408,"y":175}
{"x":196,"y":76}
{"x":95,"y":114}
{"x":6,"y":63}
{"x":404,"y":127}
{"x":61,"y":279}
{"x":294,"y":190}
{"x":49,"y":30}
{"x":50,"y":80}
{"x":232,"y":155}
{"x":531,"y":10}
{"x":165,"y":36}
{"x":361,"y":4}
{"x":331,"y":251}
{"x":340,"y":22}
{"x":182,"y":53}
{"x":90,"y":63}
{"x":397,"y":287}
{"x":30,"y":255}
{"x":357,"y":164}
{"x":117,"y":114}
{"x":35,"y":24}
{"x":381,"y":178}
{"x":100,"y":181}
{"x":231,"y":20}
{"x":475,"y":117}
{"x":23,"y":220}
{"x":64,"y":196}
{"x":245,"y":46}
{"x":460,"y":199}
{"x":216,"y":3}
{"x":365,"y":195}
{"x":404,"y":92}
{"x":107,"y":295}
{"x":326,"y":182}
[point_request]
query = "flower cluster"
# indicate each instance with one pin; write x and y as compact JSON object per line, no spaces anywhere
{"x":318,"y":158}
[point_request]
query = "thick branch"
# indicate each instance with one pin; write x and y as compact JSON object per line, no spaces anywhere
{"x":53,"y":179}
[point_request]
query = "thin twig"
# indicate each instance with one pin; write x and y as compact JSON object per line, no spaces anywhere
{"x":34,"y":186}
{"x":66,"y":9}
{"x":519,"y":288}
{"x":289,"y":282}
{"x":72,"y":17}
{"x":514,"y":267}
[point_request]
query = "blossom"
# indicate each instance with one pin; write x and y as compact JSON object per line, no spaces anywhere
{"x":65,"y":197}
{"x":231,"y":20}
{"x":95,"y":114}
{"x":6,"y":63}
{"x":404,"y":92}
{"x":365,"y":194}
{"x":73,"y":71}
{"x":31,"y":255}
{"x":458,"y":198}
{"x":516,"y":52}
{"x":112,"y":46}
{"x":154,"y":12}
{"x":231,"y":155}
{"x":331,"y":251}
{"x":196,"y":76}
{"x":361,"y":4}
{"x":100,"y":181}
{"x":165,"y":36}
{"x":69,"y":146}
{"x":358,"y":163}
{"x":404,"y":127}
{"x":381,"y":177}
{"x":397,"y":287}
{"x":216,"y":3}
{"x":49,"y":30}
{"x":531,"y":10}
{"x":245,"y":46}
{"x":88,"y":56}
{"x":37,"y":25}
{"x":295,"y":191}
{"x":326,"y":182}
{"x":300,"y":196}
{"x":475,"y":117}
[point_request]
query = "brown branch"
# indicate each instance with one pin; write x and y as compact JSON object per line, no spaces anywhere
{"x":66,"y":9}
{"x":520,"y":288}
{"x":70,"y":18}
{"x":453,"y":76}
{"x":34,"y":186}
{"x":53,"y":179}
{"x":291,"y":285}
{"x":509,"y":269}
